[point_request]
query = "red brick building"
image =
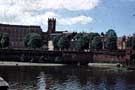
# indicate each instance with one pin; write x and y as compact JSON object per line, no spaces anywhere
{"x":17,"y":33}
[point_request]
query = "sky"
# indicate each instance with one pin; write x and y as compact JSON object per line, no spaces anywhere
{"x":72,"y":15}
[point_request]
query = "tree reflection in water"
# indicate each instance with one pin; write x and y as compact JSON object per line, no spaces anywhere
{"x":67,"y":78}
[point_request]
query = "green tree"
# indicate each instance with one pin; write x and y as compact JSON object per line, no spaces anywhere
{"x":133,"y":43}
{"x":129,"y":42}
{"x":81,"y":41}
{"x":33,"y":40}
{"x":78,"y":35}
{"x":92,"y":35}
{"x":4,"y":40}
{"x":97,"y":43}
{"x":111,"y":33}
{"x":55,"y":40}
{"x":0,"y":40}
{"x":90,"y":38}
{"x":63,"y":43}
{"x":111,"y":42}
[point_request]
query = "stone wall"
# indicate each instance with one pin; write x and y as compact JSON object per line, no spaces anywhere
{"x":118,"y":56}
{"x":69,"y":57}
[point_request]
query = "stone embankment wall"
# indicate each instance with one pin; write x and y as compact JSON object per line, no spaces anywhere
{"x":41,"y":56}
{"x":68,"y":57}
{"x":117,"y":56}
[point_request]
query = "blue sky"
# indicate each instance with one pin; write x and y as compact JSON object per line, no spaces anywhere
{"x":72,"y":15}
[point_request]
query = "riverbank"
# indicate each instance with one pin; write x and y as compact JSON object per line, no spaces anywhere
{"x":4,"y":63}
{"x":27,"y":64}
{"x":104,"y":65}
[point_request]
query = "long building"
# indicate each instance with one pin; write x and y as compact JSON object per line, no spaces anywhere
{"x":17,"y":33}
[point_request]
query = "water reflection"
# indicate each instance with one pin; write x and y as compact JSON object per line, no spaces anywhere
{"x":41,"y":82}
{"x":67,"y":78}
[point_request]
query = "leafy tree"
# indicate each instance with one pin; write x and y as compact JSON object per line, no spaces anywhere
{"x":102,"y":34}
{"x":33,"y":40}
{"x":97,"y":43}
{"x":111,"y":42}
{"x":92,"y":35}
{"x":133,"y":43}
{"x":63,"y":43}
{"x":55,"y":41}
{"x":81,"y":41}
{"x":71,"y":36}
{"x":111,"y":33}
{"x":0,"y":40}
{"x":90,"y":38}
{"x":129,"y":42}
{"x":4,"y":40}
{"x":78,"y":35}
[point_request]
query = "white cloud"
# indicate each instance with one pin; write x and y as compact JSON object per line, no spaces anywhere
{"x":26,"y":5}
{"x":21,"y":11}
{"x":75,"y":20}
{"x":67,"y":4}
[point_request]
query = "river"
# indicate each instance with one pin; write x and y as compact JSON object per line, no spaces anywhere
{"x":67,"y":78}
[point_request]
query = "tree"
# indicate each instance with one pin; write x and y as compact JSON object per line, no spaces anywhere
{"x":97,"y":43}
{"x":4,"y":40}
{"x":129,"y":42}
{"x":63,"y":43}
{"x":0,"y":40}
{"x":92,"y":35}
{"x":111,"y":33}
{"x":81,"y":41}
{"x":55,"y":41}
{"x":33,"y":40}
{"x":133,"y":43}
{"x":78,"y":35}
{"x":90,"y":38}
{"x":111,"y":42}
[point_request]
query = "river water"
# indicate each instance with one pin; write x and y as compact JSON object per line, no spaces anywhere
{"x":67,"y":78}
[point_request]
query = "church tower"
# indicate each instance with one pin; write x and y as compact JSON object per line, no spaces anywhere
{"x":51,"y":25}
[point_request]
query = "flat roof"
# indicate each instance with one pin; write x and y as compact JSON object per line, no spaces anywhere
{"x":25,"y":26}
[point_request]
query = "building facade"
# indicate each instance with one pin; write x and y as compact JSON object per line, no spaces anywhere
{"x":17,"y":33}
